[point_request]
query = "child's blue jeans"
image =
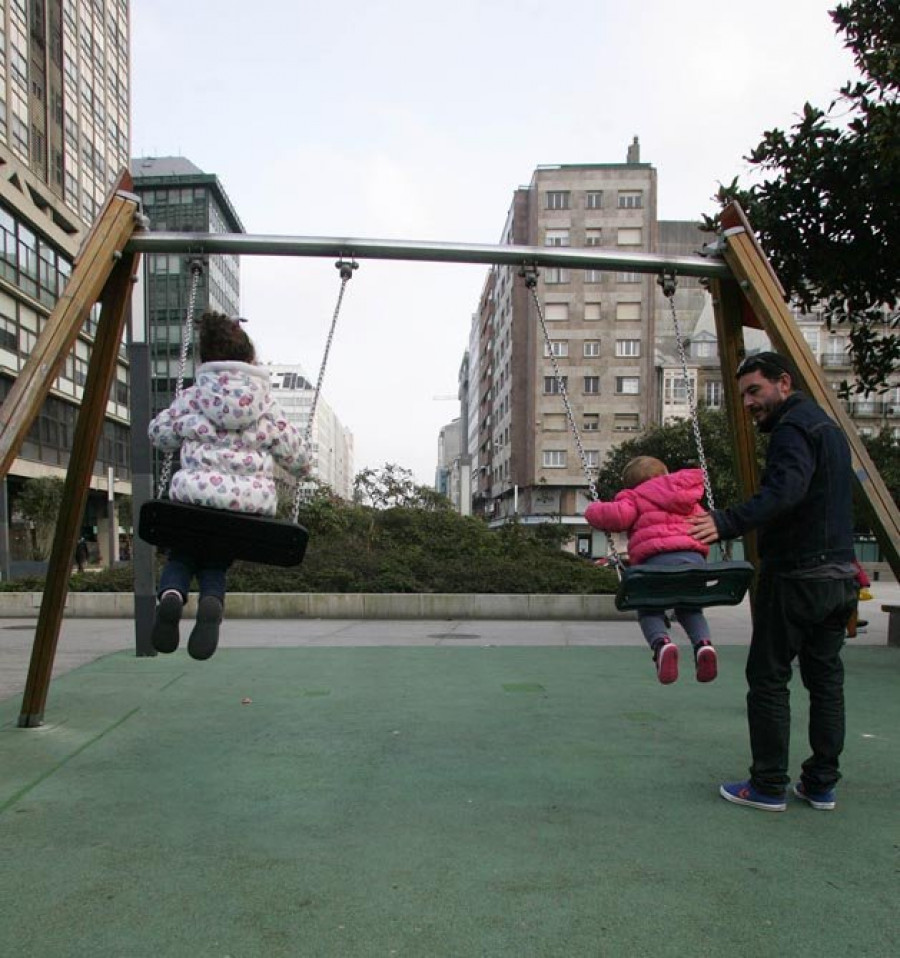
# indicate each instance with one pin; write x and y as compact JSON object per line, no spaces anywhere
{"x":180,"y":569}
{"x":653,"y":623}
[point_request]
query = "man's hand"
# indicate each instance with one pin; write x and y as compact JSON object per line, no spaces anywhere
{"x":703,"y":528}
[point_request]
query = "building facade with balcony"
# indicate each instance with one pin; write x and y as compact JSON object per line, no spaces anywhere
{"x":525,"y":463}
{"x":330,"y":443}
{"x":64,"y":136}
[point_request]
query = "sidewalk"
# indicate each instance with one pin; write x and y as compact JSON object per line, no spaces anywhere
{"x":84,"y":640}
{"x":439,"y":789}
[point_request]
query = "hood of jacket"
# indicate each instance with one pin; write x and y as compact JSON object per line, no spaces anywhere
{"x":677,"y":492}
{"x":232,"y":395}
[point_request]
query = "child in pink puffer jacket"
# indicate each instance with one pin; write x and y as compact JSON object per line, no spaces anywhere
{"x":653,"y":508}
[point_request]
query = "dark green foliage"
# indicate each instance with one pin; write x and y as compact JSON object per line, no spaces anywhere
{"x":885,"y":453}
{"x":39,"y":501}
{"x":674,"y":445}
{"x":356,"y":548}
{"x":828,"y":210}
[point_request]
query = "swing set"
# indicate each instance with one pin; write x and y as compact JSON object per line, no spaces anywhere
{"x":745,"y":292}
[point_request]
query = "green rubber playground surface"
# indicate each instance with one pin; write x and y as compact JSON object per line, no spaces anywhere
{"x":434,"y":802}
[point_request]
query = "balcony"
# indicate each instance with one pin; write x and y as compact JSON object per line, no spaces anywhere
{"x":835,"y":360}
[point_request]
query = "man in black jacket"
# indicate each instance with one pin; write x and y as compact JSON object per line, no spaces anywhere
{"x":805,"y":592}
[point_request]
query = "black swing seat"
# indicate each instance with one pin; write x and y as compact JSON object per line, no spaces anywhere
{"x":664,"y":587}
{"x":221,"y":533}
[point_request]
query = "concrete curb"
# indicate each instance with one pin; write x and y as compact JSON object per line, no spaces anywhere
{"x":293,"y":605}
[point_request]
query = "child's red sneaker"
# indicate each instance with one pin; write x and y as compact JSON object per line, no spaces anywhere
{"x":666,"y":658}
{"x":707,"y":661}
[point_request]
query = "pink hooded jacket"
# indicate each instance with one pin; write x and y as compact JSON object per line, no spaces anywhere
{"x":654,"y":514}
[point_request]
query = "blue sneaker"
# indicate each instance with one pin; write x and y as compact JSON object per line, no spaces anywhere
{"x":824,"y":801}
{"x":743,"y":793}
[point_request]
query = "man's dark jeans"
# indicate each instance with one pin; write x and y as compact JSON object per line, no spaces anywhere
{"x":806,"y":619}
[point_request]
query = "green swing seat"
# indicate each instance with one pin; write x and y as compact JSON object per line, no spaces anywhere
{"x":664,"y":587}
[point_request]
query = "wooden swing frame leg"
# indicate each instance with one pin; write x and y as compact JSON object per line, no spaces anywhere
{"x":88,"y":430}
{"x":104,"y":273}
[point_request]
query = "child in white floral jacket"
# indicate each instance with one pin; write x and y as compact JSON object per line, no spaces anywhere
{"x":230,"y":432}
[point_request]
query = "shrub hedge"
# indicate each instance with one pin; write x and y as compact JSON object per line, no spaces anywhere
{"x":359,"y":549}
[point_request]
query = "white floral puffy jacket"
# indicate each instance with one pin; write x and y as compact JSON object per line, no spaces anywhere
{"x":231,"y":432}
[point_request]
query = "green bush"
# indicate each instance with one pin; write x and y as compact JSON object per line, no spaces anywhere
{"x":359,"y":549}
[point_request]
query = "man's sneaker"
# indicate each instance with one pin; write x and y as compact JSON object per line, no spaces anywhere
{"x":205,"y":636}
{"x":743,"y":793}
{"x":164,"y":636}
{"x":707,"y":661}
{"x":666,"y":659}
{"x":824,"y":801}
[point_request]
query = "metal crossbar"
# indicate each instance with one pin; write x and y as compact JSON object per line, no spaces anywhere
{"x":708,"y":265}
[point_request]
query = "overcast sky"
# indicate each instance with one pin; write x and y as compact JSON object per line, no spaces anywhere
{"x":416,"y":120}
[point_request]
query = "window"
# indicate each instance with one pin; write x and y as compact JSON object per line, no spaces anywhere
{"x":593,"y":275}
{"x":556,"y":238}
{"x":714,"y":394}
{"x":9,"y":334}
{"x":628,"y":311}
{"x":554,"y":422}
{"x":592,"y":347}
{"x":628,"y":347}
{"x":557,"y":199}
{"x":591,"y":458}
{"x":559,"y":347}
{"x":552,"y":385}
{"x":630,"y":236}
{"x":591,"y":422}
{"x":675,"y":390}
{"x":554,"y":275}
{"x":705,"y":349}
{"x":592,"y":385}
{"x":630,"y":200}
{"x":593,"y":237}
{"x":626,"y":422}
{"x":593,"y":200}
{"x":628,"y":385}
{"x":628,"y":277}
{"x":554,"y":458}
{"x":812,"y":339}
{"x":556,"y":312}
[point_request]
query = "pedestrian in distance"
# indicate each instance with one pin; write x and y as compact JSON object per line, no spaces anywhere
{"x":81,"y":554}
{"x":806,"y":590}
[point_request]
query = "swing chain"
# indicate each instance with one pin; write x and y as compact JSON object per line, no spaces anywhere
{"x":530,"y":275}
{"x":187,"y":336}
{"x":669,"y":283}
{"x":345,"y":269}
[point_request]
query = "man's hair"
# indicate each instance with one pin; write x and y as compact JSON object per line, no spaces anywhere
{"x":771,"y":365}
{"x":223,"y":340}
{"x":641,"y":469}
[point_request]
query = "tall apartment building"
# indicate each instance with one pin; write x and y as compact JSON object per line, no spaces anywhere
{"x":601,"y":328}
{"x":177,"y":195}
{"x":64,"y":135}
{"x":331,"y":443}
{"x":613,"y":339}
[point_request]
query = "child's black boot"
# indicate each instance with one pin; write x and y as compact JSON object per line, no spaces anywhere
{"x":164,"y":636}
{"x":205,"y":635}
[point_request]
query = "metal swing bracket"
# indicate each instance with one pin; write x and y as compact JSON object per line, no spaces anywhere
{"x":346,"y":267}
{"x":668,"y":282}
{"x":529,"y":272}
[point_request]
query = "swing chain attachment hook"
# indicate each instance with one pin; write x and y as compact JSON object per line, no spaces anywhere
{"x":345,"y":268}
{"x":668,"y":282}
{"x":529,"y":272}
